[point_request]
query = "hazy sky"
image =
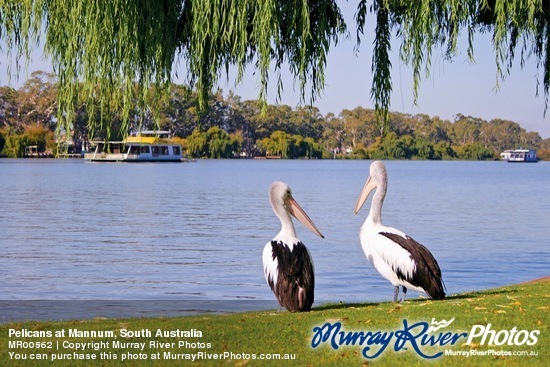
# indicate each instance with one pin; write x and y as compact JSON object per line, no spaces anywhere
{"x":452,"y":88}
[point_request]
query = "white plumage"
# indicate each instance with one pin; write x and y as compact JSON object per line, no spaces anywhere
{"x":288,"y":267}
{"x":395,"y":255}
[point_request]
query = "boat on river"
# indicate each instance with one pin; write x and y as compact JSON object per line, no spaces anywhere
{"x":144,"y":146}
{"x":520,"y":155}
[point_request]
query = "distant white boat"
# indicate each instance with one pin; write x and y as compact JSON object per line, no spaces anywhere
{"x":145,"y":146}
{"x":520,"y":155}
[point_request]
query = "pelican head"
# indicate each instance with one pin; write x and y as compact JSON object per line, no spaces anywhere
{"x":377,"y":178}
{"x":280,"y":195}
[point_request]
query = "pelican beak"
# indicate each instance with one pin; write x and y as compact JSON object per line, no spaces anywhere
{"x":297,"y":212}
{"x":369,"y":186}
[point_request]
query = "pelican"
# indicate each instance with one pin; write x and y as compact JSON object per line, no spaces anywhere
{"x":395,"y":255}
{"x":288,"y":267}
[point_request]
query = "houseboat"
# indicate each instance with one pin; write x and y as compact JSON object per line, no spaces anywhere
{"x":145,"y":146}
{"x":519,"y":155}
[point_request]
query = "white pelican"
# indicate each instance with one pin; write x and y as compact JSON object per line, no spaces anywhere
{"x":395,"y":255}
{"x":288,"y":267}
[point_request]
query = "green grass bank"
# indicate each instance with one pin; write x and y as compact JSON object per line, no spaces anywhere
{"x":518,"y":316}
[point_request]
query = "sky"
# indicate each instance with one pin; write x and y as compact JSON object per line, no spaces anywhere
{"x":458,"y":87}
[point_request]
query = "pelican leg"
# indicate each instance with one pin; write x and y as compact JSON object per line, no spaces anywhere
{"x":395,"y":293}
{"x":404,"y":294}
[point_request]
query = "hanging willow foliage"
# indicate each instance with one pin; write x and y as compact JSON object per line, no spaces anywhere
{"x":20,"y":25}
{"x":427,"y":25}
{"x":218,"y":33}
{"x":119,"y":54}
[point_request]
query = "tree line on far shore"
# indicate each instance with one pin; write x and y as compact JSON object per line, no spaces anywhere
{"x":233,"y":128}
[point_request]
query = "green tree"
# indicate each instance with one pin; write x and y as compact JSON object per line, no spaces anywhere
{"x":221,"y":144}
{"x":37,"y":134}
{"x":474,"y":151}
{"x":38,"y":100}
{"x":444,"y":150}
{"x":209,"y":36}
{"x":334,"y":134}
{"x":390,"y":147}
{"x":311,"y":149}
{"x":499,"y":135}
{"x":393,"y":147}
{"x":361,"y":126}
{"x":15,"y":145}
{"x":465,"y":129}
{"x":278,"y":144}
{"x":197,"y":144}
{"x":306,"y":122}
{"x":178,"y":111}
{"x":9,"y":105}
{"x":285,"y":145}
{"x":245,"y":117}
{"x":423,"y":149}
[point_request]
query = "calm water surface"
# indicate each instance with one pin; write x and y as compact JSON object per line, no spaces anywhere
{"x":75,"y":230}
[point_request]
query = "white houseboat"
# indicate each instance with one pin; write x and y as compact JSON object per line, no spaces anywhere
{"x":145,"y":146}
{"x":519,"y":155}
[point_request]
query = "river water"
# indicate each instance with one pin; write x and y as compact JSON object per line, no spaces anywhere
{"x":192,"y":234}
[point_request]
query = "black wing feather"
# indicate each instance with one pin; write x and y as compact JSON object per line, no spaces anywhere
{"x":295,"y":280}
{"x":428,"y":273}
